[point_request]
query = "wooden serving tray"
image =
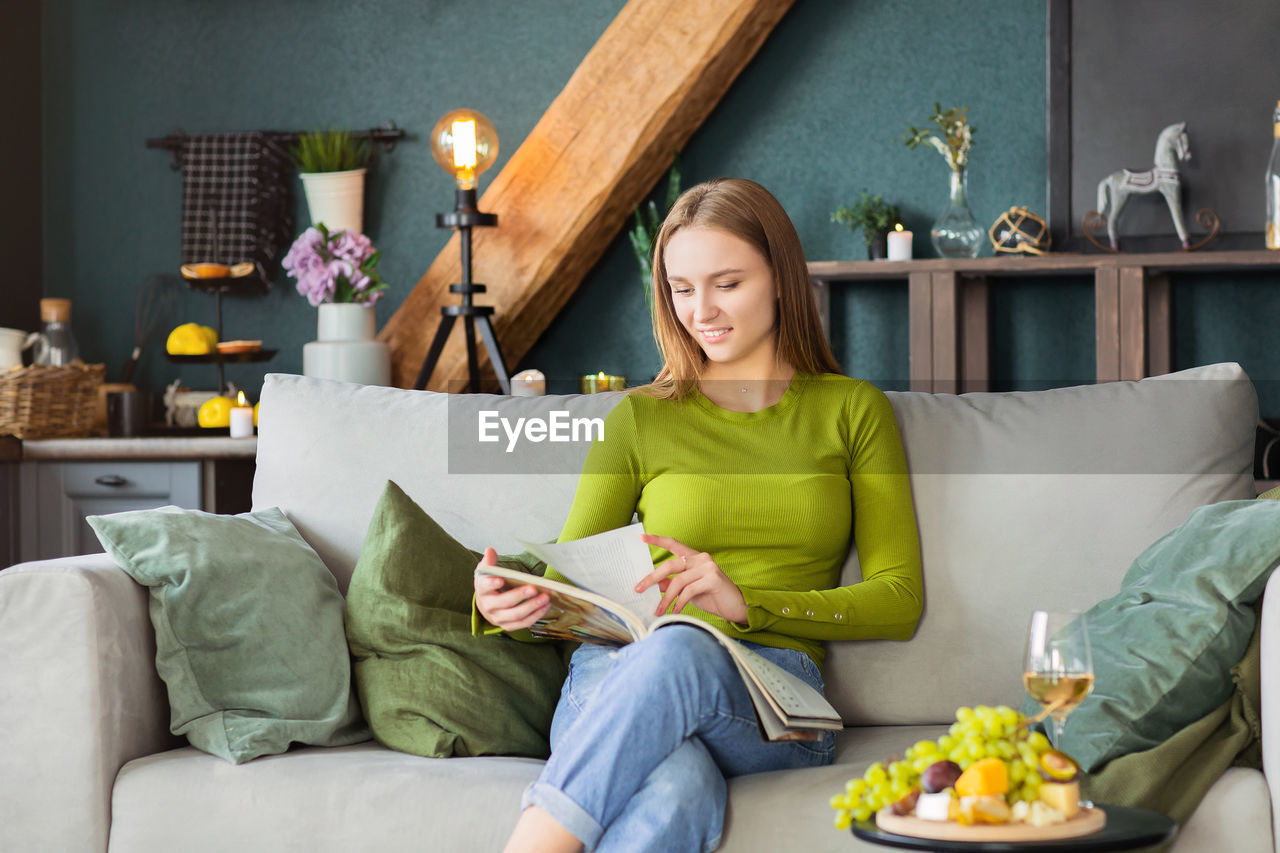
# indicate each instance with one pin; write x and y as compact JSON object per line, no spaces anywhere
{"x":1087,"y":821}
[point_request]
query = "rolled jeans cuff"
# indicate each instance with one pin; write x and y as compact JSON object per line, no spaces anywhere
{"x":565,"y":811}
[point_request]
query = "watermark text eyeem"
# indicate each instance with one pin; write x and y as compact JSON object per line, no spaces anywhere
{"x":557,"y":427}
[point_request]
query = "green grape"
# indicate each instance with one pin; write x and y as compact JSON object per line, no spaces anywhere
{"x":863,"y":813}
{"x":876,"y":773}
{"x":945,"y":744}
{"x":855,"y":787}
{"x":1039,"y":742}
{"x":964,"y":714}
{"x":843,"y":820}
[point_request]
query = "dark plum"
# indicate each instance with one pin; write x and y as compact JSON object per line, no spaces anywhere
{"x":939,"y":776}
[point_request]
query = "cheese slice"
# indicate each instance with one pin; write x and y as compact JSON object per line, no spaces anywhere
{"x":934,"y":806}
{"x":1063,"y":796}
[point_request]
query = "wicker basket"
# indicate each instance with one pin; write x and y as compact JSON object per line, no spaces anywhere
{"x":49,"y":402}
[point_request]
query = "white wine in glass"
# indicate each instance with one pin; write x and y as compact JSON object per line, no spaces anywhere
{"x":1058,"y":667}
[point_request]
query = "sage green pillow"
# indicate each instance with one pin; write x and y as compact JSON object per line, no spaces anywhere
{"x":427,"y":685}
{"x":248,"y":622}
{"x":1164,"y":646}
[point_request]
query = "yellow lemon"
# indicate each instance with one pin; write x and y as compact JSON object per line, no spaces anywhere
{"x":215,"y":412}
{"x":255,"y":412}
{"x":211,"y":336}
{"x":189,"y":339}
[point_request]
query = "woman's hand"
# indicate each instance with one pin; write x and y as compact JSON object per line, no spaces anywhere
{"x":692,"y":577}
{"x":509,"y":609}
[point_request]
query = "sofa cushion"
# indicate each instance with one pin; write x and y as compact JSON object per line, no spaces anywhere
{"x":248,"y":626}
{"x":425,"y":441}
{"x":1037,"y":500}
{"x":1165,"y":645}
{"x":426,"y":684}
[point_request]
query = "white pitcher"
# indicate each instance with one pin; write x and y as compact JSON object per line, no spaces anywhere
{"x":11,"y":345}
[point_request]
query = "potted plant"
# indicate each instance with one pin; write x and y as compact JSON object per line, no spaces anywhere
{"x":338,"y":273}
{"x":332,"y":165}
{"x":874,"y":217}
{"x":956,"y":234}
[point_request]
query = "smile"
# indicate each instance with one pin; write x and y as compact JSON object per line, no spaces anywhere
{"x":713,"y":334}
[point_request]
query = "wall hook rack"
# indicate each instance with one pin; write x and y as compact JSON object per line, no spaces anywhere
{"x":384,"y":137}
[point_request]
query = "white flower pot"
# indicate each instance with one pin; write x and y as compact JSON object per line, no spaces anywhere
{"x":346,"y":350}
{"x":336,"y":199}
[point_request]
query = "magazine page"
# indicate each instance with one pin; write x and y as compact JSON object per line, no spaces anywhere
{"x":574,"y":614}
{"x":791,"y":697}
{"x":609,"y":564}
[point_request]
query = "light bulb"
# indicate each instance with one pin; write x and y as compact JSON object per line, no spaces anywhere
{"x":464,"y":143}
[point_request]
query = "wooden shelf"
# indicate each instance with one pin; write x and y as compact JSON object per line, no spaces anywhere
{"x":949,"y":301}
{"x":1052,"y":264}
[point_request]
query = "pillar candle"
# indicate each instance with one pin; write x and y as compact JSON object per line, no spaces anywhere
{"x":528,"y":383}
{"x":900,"y":245}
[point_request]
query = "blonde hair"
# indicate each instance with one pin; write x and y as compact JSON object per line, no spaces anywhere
{"x":748,"y":211}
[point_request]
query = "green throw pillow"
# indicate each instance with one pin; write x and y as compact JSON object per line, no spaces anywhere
{"x":1164,"y":646}
{"x":428,"y":686}
{"x":248,"y":623}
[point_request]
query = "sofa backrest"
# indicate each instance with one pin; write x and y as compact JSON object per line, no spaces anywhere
{"x":1024,"y":500}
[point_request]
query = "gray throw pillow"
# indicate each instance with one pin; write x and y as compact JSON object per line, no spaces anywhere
{"x":248,"y":622}
{"x":1164,"y":646}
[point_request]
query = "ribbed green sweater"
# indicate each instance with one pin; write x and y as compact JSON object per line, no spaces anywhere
{"x":773,"y":496}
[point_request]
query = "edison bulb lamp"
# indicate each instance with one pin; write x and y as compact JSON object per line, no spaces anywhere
{"x":464,"y":143}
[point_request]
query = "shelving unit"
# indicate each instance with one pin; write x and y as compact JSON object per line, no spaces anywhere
{"x":948,"y":306}
{"x":218,"y":286}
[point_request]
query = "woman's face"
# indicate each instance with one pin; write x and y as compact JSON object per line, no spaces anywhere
{"x":724,"y":295}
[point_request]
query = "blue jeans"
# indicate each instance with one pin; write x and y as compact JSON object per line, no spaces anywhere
{"x":644,"y":737}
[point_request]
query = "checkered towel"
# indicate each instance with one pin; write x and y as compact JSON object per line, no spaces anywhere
{"x":236,"y":200}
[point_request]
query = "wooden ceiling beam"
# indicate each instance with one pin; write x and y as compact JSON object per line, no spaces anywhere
{"x":649,"y":82}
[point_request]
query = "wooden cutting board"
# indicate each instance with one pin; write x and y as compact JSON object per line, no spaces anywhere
{"x":1087,"y":821}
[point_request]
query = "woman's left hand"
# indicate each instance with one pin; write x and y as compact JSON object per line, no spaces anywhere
{"x":692,"y":577}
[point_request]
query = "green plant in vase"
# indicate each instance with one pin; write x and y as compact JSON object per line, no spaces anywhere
{"x":330,"y":151}
{"x":332,"y":165}
{"x":956,"y":234}
{"x":874,"y":217}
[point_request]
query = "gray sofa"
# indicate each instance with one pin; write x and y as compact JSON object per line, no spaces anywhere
{"x":1024,"y":500}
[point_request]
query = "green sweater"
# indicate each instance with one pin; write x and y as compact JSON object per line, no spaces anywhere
{"x":773,"y":496}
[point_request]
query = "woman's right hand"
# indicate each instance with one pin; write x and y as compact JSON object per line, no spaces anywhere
{"x":509,"y":609}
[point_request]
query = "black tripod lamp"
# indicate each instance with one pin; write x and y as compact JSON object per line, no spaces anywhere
{"x":464,"y":143}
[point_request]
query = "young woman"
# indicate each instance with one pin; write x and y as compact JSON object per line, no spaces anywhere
{"x":751,"y":463}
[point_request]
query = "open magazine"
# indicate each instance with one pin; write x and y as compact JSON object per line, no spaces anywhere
{"x":604,"y":608}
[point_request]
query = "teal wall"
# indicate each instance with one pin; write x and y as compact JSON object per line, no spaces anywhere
{"x":816,"y":117}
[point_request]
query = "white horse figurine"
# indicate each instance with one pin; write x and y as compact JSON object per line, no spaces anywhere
{"x":1114,"y":190}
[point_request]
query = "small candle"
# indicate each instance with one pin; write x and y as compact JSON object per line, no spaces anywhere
{"x":528,"y":383}
{"x":602,"y":381}
{"x":241,"y":418}
{"x":899,"y":244}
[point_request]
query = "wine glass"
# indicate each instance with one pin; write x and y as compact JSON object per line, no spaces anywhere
{"x":1058,"y":668}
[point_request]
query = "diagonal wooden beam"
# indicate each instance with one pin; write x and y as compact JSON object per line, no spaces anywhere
{"x":643,"y":89}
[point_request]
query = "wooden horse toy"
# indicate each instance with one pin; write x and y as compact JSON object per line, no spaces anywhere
{"x":1172,"y":147}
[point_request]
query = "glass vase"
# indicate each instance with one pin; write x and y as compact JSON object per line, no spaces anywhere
{"x":957,"y":234}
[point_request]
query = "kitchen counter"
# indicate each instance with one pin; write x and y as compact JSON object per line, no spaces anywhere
{"x":48,"y":486}
{"x":162,"y":447}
